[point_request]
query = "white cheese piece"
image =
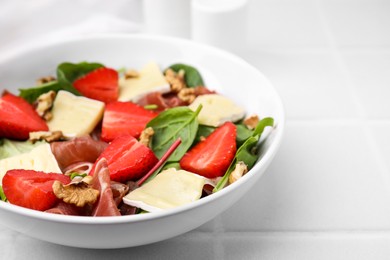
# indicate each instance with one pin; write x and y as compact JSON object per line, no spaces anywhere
{"x":216,"y":110}
{"x":39,"y":159}
{"x":75,"y":116}
{"x":150,"y":79}
{"x":171,"y":188}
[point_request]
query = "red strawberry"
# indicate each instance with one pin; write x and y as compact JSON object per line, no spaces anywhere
{"x":100,"y":84}
{"x":212,"y":157}
{"x":18,"y":118}
{"x":122,"y":118}
{"x":31,"y":189}
{"x":127,"y":159}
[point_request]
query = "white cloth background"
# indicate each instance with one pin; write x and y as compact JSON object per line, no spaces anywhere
{"x":29,"y":22}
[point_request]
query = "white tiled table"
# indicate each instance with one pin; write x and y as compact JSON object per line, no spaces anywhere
{"x":327,"y":193}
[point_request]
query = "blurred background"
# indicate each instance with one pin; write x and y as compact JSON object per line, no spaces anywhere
{"x":327,"y":193}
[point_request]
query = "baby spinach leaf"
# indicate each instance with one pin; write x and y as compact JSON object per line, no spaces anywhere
{"x":2,"y":195}
{"x":247,"y":152}
{"x":191,"y":76}
{"x":68,"y":72}
{"x":175,"y":165}
{"x":31,"y":94}
{"x":243,"y":133}
{"x":203,"y":131}
{"x":171,"y":124}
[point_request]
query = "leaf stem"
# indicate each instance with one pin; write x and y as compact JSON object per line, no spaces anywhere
{"x":170,"y":150}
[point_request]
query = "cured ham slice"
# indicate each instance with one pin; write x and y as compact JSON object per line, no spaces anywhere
{"x":105,"y":205}
{"x":119,"y":190}
{"x":63,"y":208}
{"x":81,"y":149}
{"x":164,"y":101}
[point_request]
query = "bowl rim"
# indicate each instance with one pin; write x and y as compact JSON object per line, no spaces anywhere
{"x":266,"y":158}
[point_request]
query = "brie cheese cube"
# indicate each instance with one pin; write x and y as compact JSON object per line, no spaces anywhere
{"x":216,"y":110}
{"x":39,"y":159}
{"x":171,"y":188}
{"x":74,"y":115}
{"x":150,"y":79}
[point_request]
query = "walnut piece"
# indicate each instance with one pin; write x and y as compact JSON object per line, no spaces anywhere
{"x":44,"y":103}
{"x":131,"y":74}
{"x":45,"y":80}
{"x":175,"y":80}
{"x":46,"y":135}
{"x":240,"y":169}
{"x":251,"y":122}
{"x":146,"y":136}
{"x":78,"y":193}
{"x":187,"y":95}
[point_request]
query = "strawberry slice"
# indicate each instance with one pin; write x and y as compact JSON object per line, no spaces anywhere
{"x":124,"y":118}
{"x":18,"y":118}
{"x":100,"y":84}
{"x":127,"y":159}
{"x":31,"y":189}
{"x":212,"y":156}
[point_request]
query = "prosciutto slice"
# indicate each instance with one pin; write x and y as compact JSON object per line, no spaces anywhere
{"x":80,"y":149}
{"x":105,"y":205}
{"x":63,"y":208}
{"x":119,"y":190}
{"x":164,"y":101}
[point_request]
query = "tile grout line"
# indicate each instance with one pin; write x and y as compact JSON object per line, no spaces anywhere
{"x":337,"y":55}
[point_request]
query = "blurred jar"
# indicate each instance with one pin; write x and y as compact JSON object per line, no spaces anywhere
{"x":167,"y":17}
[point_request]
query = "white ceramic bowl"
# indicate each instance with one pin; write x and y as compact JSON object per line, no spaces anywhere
{"x":222,"y":71}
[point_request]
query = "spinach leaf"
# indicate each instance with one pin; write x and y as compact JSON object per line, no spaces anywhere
{"x":175,"y":165}
{"x":31,"y":94}
{"x":191,"y":76}
{"x":2,"y":195}
{"x":247,"y":152}
{"x":9,"y":148}
{"x":203,"y":131}
{"x":171,"y":124}
{"x":68,"y":72}
{"x":243,"y":133}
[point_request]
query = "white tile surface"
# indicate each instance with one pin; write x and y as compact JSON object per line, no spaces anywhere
{"x":310,"y":83}
{"x":323,"y":178}
{"x":358,"y":23}
{"x":369,"y":72}
{"x":284,"y":24}
{"x":307,"y":246}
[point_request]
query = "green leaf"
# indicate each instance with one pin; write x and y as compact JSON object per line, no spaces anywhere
{"x":2,"y":195}
{"x":203,"y":131}
{"x":31,"y":94}
{"x":247,"y":152}
{"x":171,"y":124}
{"x":243,"y":133}
{"x":69,"y":72}
{"x":175,"y":165}
{"x":191,"y":76}
{"x":9,"y":148}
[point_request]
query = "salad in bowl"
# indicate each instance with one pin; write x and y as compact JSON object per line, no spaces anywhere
{"x":95,"y":141}
{"x":128,"y":140}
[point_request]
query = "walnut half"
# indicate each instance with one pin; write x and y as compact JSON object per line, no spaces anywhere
{"x":146,"y":136}
{"x":46,"y":135}
{"x":238,"y":172}
{"x":78,"y":193}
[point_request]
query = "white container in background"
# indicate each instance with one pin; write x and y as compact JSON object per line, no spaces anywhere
{"x":167,"y":17}
{"x":221,"y":23}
